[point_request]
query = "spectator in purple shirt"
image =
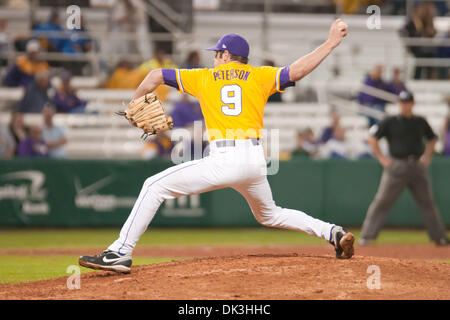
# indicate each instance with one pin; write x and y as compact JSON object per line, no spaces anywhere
{"x":25,"y":67}
{"x":446,"y":134}
{"x":373,"y":79}
{"x":33,"y":145}
{"x":327,"y":133}
{"x":396,"y":85}
{"x":185,"y":112}
{"x":17,"y":129}
{"x":65,"y":99}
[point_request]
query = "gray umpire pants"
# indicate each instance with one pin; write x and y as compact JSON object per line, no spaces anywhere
{"x":401,"y":174}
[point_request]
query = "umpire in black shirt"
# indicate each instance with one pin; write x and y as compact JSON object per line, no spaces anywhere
{"x":407,"y":168}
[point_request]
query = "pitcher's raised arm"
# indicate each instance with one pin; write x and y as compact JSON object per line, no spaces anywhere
{"x":153,"y":79}
{"x":308,"y":63}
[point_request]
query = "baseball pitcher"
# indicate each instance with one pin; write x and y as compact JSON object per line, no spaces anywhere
{"x":232,"y":96}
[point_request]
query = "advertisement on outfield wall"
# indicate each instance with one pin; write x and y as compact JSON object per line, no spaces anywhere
{"x":82,"y":193}
{"x":94,"y":193}
{"x":26,"y":190}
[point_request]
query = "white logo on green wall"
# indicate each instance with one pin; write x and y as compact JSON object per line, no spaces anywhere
{"x":88,"y":198}
{"x":31,"y":194}
{"x":185,"y":206}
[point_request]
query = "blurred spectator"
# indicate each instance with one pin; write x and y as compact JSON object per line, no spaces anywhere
{"x":33,"y":145}
{"x":185,"y":112}
{"x":398,"y":7}
{"x":50,"y":33}
{"x":444,"y":52}
{"x":159,"y":61}
{"x":17,"y":128}
{"x":276,"y":97}
{"x":421,"y":25}
{"x":65,"y":99}
{"x":446,"y":133}
{"x":337,"y":147}
{"x":19,"y":4}
{"x":446,"y":138}
{"x":327,"y":133}
{"x":4,"y":43}
{"x":159,"y":146}
{"x":26,"y":66}
{"x":441,"y":7}
{"x":191,"y":147}
{"x":355,"y":6}
{"x":396,"y":85}
{"x":349,"y":6}
{"x":306,"y":144}
{"x":373,"y":79}
{"x":78,"y":39}
{"x":36,"y":95}
{"x":53,"y":136}
{"x":362,"y":150}
{"x":7,"y":145}
{"x":299,"y":151}
{"x":128,"y":16}
{"x":192,"y":60}
{"x":73,"y":41}
{"x":126,"y":77}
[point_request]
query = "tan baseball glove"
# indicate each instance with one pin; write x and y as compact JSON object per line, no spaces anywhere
{"x":148,"y":113}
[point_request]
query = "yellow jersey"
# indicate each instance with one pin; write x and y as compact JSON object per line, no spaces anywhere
{"x":30,"y":67}
{"x":232,"y":96}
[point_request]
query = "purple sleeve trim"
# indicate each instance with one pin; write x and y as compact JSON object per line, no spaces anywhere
{"x":170,"y":77}
{"x":284,"y":79}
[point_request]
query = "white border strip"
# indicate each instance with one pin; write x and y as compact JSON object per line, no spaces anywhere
{"x":277,"y":80}
{"x":179,"y":78}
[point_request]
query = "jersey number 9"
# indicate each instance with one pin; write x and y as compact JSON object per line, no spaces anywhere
{"x":231,"y":94}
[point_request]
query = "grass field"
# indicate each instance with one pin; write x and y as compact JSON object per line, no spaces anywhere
{"x":19,"y":267}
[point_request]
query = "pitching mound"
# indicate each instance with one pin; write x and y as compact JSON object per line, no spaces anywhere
{"x":258,"y":276}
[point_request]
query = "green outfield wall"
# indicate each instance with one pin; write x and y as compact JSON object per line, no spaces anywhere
{"x":74,"y":193}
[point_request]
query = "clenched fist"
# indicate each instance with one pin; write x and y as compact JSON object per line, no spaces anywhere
{"x":338,"y":30}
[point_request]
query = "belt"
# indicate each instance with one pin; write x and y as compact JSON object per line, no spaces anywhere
{"x":232,"y":143}
{"x":408,"y":158}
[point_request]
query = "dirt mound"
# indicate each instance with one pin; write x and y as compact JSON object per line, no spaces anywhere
{"x":255,"y":276}
{"x":401,"y":251}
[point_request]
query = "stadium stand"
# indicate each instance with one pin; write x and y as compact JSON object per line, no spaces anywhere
{"x":100,"y":134}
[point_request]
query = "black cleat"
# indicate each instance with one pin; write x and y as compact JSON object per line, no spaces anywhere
{"x":107,"y":260}
{"x":342,"y":241}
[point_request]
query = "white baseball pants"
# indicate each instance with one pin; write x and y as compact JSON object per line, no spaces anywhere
{"x":241,"y":167}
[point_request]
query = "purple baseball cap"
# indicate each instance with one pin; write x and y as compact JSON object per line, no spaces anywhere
{"x":234,"y":43}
